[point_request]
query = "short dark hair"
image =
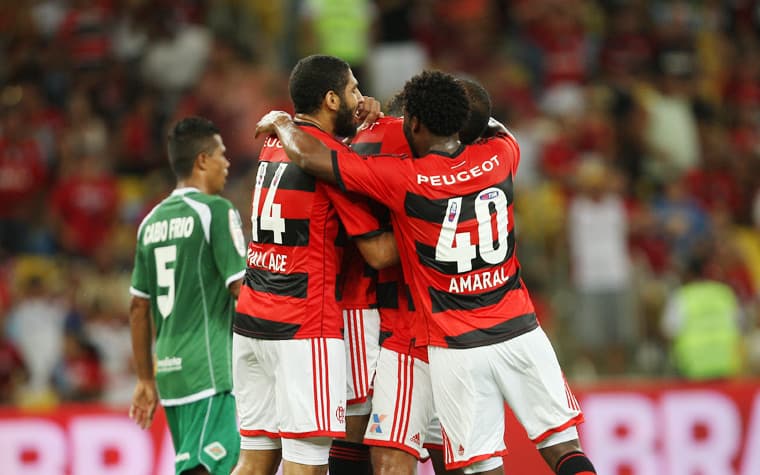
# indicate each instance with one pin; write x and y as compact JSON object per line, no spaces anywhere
{"x":480,"y":111}
{"x":313,"y":77}
{"x":438,"y":100}
{"x":188,"y":138}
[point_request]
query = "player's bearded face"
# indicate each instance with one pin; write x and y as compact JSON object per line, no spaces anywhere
{"x":344,"y":121}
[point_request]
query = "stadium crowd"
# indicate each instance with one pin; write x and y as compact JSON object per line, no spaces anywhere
{"x":638,"y":121}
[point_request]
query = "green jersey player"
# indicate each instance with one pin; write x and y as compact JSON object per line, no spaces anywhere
{"x":189,"y":264}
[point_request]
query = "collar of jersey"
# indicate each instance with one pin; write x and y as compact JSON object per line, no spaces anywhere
{"x":185,"y":190}
{"x":450,"y":155}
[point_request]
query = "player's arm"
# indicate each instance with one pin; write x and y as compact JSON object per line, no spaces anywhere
{"x":234,"y":287}
{"x":306,"y":151}
{"x":145,"y":396}
{"x":379,"y":251}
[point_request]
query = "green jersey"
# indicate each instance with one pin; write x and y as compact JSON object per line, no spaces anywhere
{"x":189,"y":249}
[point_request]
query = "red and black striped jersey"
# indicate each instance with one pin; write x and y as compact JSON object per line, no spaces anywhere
{"x":357,"y":278}
{"x":289,"y":290}
{"x":454,"y":222}
{"x":386,"y":136}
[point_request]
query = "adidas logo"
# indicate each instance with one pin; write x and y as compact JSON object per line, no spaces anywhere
{"x":415,"y":439}
{"x":461,"y":450}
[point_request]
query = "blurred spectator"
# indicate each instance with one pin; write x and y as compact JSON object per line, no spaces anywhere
{"x":84,"y":204}
{"x":23,"y":173}
{"x":339,"y":28}
{"x":671,"y":136}
{"x":36,"y":325}
{"x":395,"y":55}
{"x":78,"y":375}
{"x":702,"y":319}
{"x":683,"y":221}
{"x":604,"y":321}
{"x":176,"y":52}
{"x":13,"y":371}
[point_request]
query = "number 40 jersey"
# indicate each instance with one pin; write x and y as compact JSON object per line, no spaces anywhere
{"x":190,"y":247}
{"x":454,"y":224}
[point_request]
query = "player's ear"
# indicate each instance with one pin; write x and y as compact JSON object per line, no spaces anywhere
{"x":201,"y":160}
{"x":332,"y":100}
{"x":415,"y":124}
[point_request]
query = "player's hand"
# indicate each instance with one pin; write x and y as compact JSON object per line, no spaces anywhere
{"x":368,"y":112}
{"x":266,"y":124}
{"x":144,"y":402}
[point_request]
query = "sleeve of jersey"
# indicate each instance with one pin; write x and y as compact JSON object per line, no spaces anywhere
{"x":227,"y":241}
{"x":376,"y":176}
{"x":509,"y":142}
{"x":139,"y":284}
{"x":355,"y":213}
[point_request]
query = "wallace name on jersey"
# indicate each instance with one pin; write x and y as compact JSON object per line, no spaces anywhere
{"x":268,"y":260}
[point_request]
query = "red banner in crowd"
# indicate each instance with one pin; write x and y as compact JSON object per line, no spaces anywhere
{"x":656,"y":428}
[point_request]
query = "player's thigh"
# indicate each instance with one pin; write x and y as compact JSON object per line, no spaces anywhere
{"x":362,"y":343}
{"x":311,"y":387}
{"x":402,"y":403}
{"x":207,"y":434}
{"x":468,"y":402}
{"x":533,"y":384}
{"x":254,"y":386}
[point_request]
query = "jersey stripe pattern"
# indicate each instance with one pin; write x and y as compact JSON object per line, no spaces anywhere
{"x":289,"y":290}
{"x":357,"y":279}
{"x":454,"y":222}
{"x":394,"y":302}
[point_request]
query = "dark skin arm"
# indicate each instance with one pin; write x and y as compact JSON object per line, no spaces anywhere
{"x":313,"y":157}
{"x":234,"y":287}
{"x":145,"y":396}
{"x":307,"y":152}
{"x":379,"y":251}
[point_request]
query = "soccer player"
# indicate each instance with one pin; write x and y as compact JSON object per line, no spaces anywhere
{"x":452,"y":213}
{"x":397,"y":437}
{"x":288,"y":350}
{"x":189,"y":264}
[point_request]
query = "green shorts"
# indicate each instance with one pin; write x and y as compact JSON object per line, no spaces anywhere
{"x":205,"y":433}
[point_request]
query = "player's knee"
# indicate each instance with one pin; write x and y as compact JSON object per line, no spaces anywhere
{"x":387,"y":461}
{"x":309,"y":451}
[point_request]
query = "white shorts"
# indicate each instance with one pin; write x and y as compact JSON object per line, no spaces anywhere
{"x":403,"y":416}
{"x":471,"y":385}
{"x":292,"y":389}
{"x":362,"y":340}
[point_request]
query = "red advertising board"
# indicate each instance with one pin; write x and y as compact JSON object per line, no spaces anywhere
{"x":646,"y":428}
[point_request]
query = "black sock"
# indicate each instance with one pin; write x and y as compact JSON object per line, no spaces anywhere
{"x":349,"y":458}
{"x":574,"y":463}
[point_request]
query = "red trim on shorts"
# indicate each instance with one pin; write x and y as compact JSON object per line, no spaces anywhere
{"x":572,"y":422}
{"x":358,"y":400}
{"x":404,"y":394}
{"x":258,"y":433}
{"x":394,"y":445}
{"x":472,"y":460}
{"x":315,"y":386}
{"x":315,"y":433}
{"x":325,"y":386}
{"x":364,"y":373}
{"x":352,"y":348}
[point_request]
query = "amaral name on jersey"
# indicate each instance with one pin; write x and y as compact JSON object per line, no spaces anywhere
{"x":169,"y":364}
{"x":166,"y":229}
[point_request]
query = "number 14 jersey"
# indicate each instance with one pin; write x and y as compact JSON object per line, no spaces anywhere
{"x":454,"y":224}
{"x":289,"y":288}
